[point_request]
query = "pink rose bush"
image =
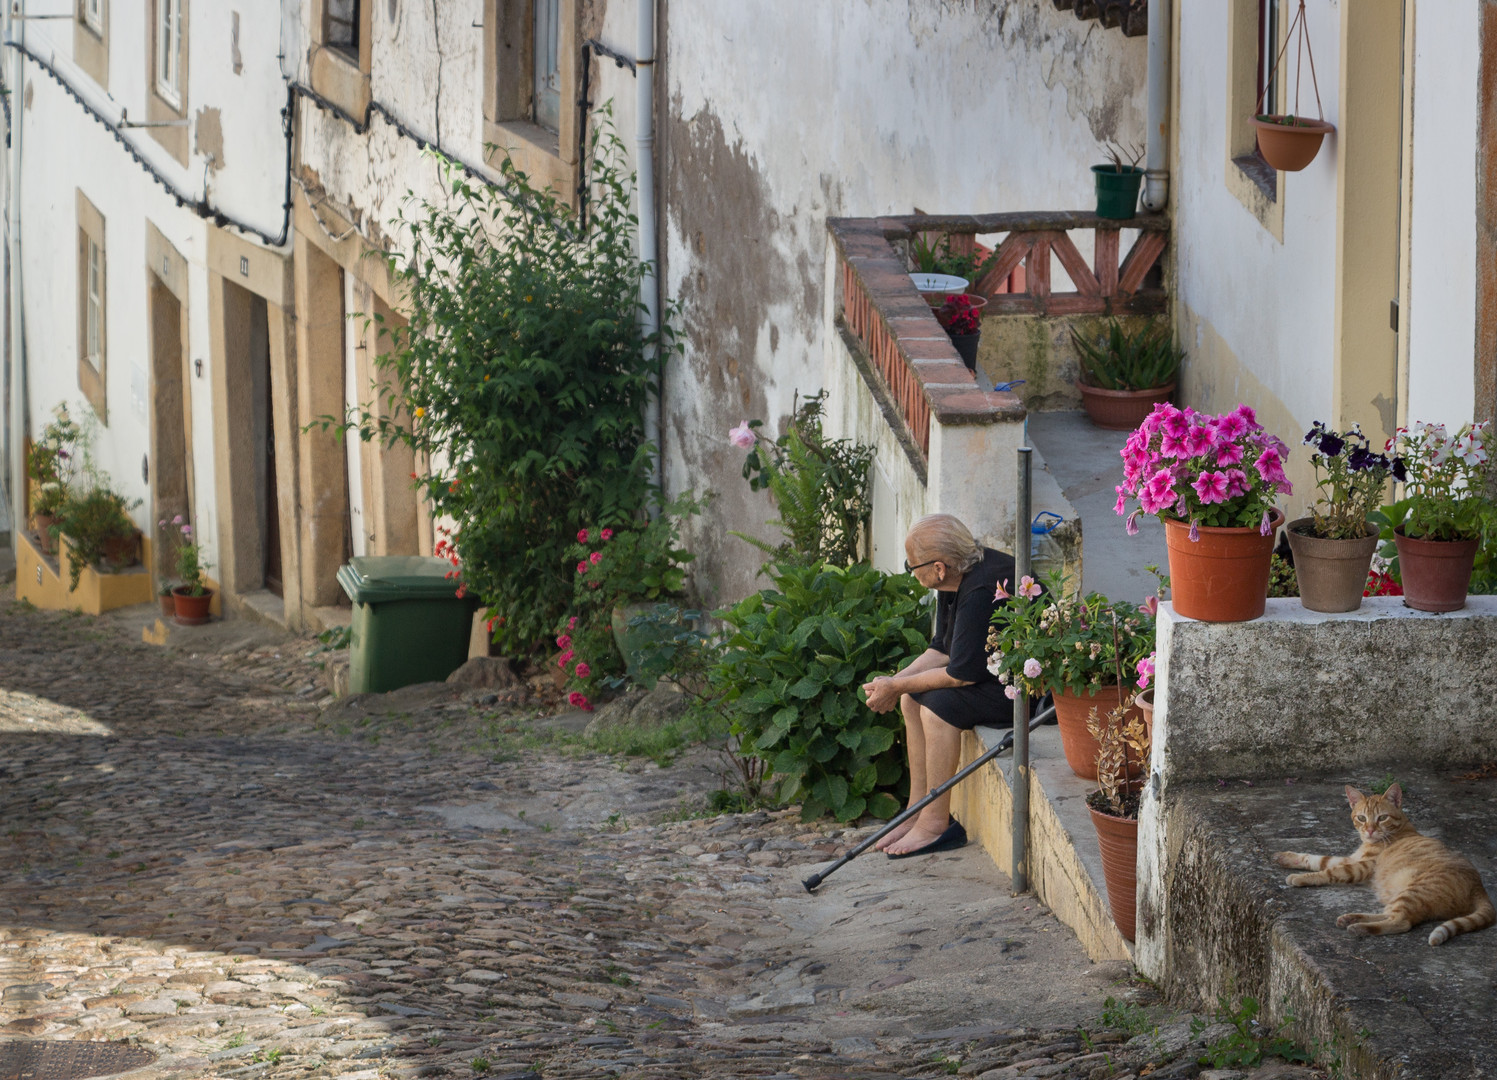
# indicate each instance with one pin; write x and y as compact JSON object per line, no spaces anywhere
{"x":1207,"y":470}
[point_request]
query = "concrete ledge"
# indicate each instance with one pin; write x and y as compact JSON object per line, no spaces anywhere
{"x":1391,"y":1007}
{"x":1065,"y":867}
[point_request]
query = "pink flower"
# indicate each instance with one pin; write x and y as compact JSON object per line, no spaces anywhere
{"x":1145,"y":671}
{"x":1131,"y":525}
{"x":1002,"y":593}
{"x":161,"y":523}
{"x":582,"y":536}
{"x":1174,"y":446}
{"x":579,"y":700}
{"x":564,"y":659}
{"x":1270,"y":466}
{"x":1265,"y":527}
{"x":1151,"y":606}
{"x":1231,"y":426}
{"x":1032,"y":668}
{"x":564,"y":642}
{"x":1229,"y":453}
{"x":177,"y":520}
{"x":1211,"y":487}
{"x":582,"y":670}
{"x":1199,"y":440}
{"x":1159,"y":493}
{"x":186,"y":530}
{"x":607,"y":535}
{"x":1237,"y":483}
{"x":1011,"y":692}
{"x":582,"y":567}
{"x":1195,"y":532}
{"x":742,"y":436}
{"x":595,"y":558}
{"x":1246,"y":414}
{"x":572,"y":623}
{"x":1121,"y":506}
{"x":1028,"y":587}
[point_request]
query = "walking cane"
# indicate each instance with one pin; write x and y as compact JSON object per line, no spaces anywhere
{"x":935,"y":793}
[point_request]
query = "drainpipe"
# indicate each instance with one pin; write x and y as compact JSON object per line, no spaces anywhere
{"x":1157,"y":156}
{"x":649,"y":241}
{"x":15,"y":28}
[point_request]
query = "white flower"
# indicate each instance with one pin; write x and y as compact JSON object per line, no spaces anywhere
{"x":1032,"y":668}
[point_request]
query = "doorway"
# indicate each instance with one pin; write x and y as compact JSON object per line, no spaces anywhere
{"x":169,"y":465}
{"x":252,"y":553}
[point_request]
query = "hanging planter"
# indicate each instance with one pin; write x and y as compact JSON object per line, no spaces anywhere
{"x":1290,"y":141}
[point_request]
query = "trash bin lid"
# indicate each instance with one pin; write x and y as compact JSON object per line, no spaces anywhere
{"x":373,"y":578}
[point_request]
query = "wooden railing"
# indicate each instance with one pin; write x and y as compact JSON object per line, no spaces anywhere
{"x":909,"y":350}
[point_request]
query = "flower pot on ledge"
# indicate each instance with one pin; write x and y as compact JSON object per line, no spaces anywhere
{"x":191,"y":610}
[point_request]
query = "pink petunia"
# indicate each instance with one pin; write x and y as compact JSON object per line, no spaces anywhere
{"x":1131,"y":525}
{"x":1199,"y":439}
{"x":1175,"y":446}
{"x":1211,"y":487}
{"x":1230,"y":426}
{"x":742,"y":436}
{"x":1246,"y":414}
{"x":1159,"y":493}
{"x":582,"y":670}
{"x":1270,"y":466}
{"x":1237,"y":483}
{"x":1229,"y":453}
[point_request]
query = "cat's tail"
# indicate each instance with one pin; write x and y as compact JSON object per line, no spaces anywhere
{"x":1483,"y":916}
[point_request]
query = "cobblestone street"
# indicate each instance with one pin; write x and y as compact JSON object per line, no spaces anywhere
{"x":203,"y":857}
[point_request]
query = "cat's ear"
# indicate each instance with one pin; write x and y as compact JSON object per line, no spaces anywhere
{"x":1353,"y":796}
{"x":1394,"y":795}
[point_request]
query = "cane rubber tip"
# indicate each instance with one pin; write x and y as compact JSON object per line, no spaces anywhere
{"x":811,"y":882}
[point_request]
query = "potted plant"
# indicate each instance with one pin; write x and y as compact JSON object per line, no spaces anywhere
{"x":1127,"y":373}
{"x":1118,"y":182}
{"x":1122,"y":757}
{"x":961,"y":317}
{"x":98,"y":527}
{"x":620,"y":572}
{"x":1333,"y":547}
{"x":50,"y":465}
{"x":1212,"y":480}
{"x":940,"y":270}
{"x":191,"y":600}
{"x":1074,"y":648}
{"x":1444,"y":516}
{"x":1287,"y":141}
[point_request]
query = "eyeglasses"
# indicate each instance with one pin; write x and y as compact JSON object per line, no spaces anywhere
{"x":911,"y":569}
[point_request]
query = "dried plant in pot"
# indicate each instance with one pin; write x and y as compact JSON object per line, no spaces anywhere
{"x":1126,"y":373}
{"x":1118,"y":182}
{"x":1334,"y":545}
{"x":1123,"y":742}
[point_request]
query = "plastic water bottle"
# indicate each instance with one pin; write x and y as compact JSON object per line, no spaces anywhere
{"x":1046,"y":559}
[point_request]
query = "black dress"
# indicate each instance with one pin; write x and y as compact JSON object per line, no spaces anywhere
{"x":962,"y":621}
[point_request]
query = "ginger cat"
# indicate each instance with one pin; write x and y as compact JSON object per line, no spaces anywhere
{"x":1417,"y":878}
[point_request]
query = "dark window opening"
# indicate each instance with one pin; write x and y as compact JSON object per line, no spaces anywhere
{"x":340,"y":28}
{"x":547,"y":17}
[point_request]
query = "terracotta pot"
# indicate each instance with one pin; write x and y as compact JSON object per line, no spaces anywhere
{"x":44,"y":523}
{"x":122,"y":551}
{"x":1121,"y":410}
{"x":1118,"y":840}
{"x":1071,"y":713}
{"x":191,"y":610}
{"x":168,"y":604}
{"x":1290,"y":147}
{"x":1223,"y":576}
{"x":1436,"y":573}
{"x":1145,"y":705}
{"x":1332,"y":573}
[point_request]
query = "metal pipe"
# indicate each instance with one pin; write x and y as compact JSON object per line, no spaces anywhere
{"x":1157,"y":154}
{"x":1020,"y":836}
{"x":16,"y":425}
{"x":649,"y":244}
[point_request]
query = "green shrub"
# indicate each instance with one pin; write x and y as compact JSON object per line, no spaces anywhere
{"x":522,"y":377}
{"x":790,"y":678}
{"x":91,"y":519}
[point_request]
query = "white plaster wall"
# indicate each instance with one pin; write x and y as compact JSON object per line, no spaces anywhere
{"x":782,"y":114}
{"x":1442,"y":281}
{"x":65,"y":150}
{"x":1273,"y":303}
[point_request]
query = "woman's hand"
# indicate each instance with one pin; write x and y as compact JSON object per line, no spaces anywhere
{"x":882,"y":693}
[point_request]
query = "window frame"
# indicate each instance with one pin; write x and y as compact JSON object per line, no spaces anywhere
{"x":91,"y":39}
{"x":92,"y":298}
{"x":349,"y":49}
{"x":338,"y":74}
{"x":91,"y":13}
{"x":1254,"y":183}
{"x":549,"y":157}
{"x":169,"y":89}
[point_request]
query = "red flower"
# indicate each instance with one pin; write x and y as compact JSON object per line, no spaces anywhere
{"x":595,"y":558}
{"x":607,"y":535}
{"x":582,"y":670}
{"x":579,"y":701}
{"x":582,"y":536}
{"x":582,"y":567}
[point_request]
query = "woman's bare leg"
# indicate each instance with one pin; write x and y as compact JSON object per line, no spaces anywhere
{"x":914,"y":741}
{"x":942,"y":745}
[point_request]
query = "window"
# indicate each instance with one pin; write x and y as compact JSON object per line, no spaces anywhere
{"x":341,"y":27}
{"x":1268,"y":52}
{"x":91,"y":39}
{"x":544,"y":62}
{"x":1254,"y":30}
{"x":169,"y":52}
{"x":93,"y":305}
{"x":530,"y":81}
{"x":93,"y":16}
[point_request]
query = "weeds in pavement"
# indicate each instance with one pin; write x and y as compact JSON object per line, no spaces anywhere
{"x":1249,"y":1041}
{"x":480,"y":1064}
{"x":1125,"y":1016}
{"x":236,"y":1040}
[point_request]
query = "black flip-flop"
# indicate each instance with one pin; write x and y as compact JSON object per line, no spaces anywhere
{"x":954,"y":837}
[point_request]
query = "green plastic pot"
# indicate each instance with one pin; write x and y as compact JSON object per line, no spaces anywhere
{"x":1117,"y":192}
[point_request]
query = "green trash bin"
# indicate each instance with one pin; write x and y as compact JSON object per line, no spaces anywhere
{"x":409,"y":624}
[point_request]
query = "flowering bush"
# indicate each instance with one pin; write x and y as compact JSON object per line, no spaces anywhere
{"x":959,"y":315}
{"x":1208,"y":470}
{"x":1445,"y":484}
{"x":1039,"y":644}
{"x":51,"y":462}
{"x":1350,"y":479}
{"x":190,"y":561}
{"x":611,"y":568}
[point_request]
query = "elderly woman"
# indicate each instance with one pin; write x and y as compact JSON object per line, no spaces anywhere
{"x":947,"y":689}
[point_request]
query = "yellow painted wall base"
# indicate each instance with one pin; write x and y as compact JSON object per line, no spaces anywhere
{"x":984,"y":804}
{"x":43,"y":580}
